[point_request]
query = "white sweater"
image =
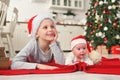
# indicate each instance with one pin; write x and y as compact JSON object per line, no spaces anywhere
{"x":70,"y":59}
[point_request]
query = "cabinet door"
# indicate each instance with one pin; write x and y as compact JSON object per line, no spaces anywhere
{"x":56,"y":2}
{"x":66,"y":4}
{"x":64,"y":37}
{"x":78,"y":4}
{"x":66,"y":34}
{"x":20,"y":37}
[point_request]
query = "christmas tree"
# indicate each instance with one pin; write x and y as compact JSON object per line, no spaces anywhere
{"x":103,"y":23}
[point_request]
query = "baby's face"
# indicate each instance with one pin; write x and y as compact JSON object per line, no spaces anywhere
{"x":80,"y":50}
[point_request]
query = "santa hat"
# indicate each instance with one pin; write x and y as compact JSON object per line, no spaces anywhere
{"x":35,"y":21}
{"x":79,"y":39}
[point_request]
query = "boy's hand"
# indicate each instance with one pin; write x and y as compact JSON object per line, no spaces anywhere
{"x":55,"y":38}
{"x":43,"y":66}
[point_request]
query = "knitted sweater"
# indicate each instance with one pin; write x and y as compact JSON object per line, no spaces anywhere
{"x":36,"y":55}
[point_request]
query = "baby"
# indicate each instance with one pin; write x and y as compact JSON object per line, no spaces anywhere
{"x":79,"y":51}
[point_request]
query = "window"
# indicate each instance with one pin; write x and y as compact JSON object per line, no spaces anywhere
{"x":58,"y":2}
{"x":53,"y":2}
{"x":67,"y":4}
{"x":76,"y":3}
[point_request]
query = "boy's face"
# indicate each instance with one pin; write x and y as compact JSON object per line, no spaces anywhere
{"x":47,"y":30}
{"x":80,"y":50}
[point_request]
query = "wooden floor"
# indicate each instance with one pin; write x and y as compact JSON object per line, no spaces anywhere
{"x":67,"y":76}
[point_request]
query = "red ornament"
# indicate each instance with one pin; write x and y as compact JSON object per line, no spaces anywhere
{"x":94,"y":12}
{"x":88,"y":24}
{"x":115,"y":24}
{"x":105,"y":8}
{"x":91,"y":32}
{"x":105,"y":40}
{"x":99,"y":25}
{"x":103,"y":12}
{"x":96,"y":4}
{"x":88,"y":37}
{"x":108,"y":12}
{"x":106,"y":20}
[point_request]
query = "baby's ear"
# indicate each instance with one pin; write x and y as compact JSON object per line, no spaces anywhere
{"x":95,"y":56}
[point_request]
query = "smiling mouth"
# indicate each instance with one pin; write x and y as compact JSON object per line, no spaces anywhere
{"x":50,"y":35}
{"x":82,"y":53}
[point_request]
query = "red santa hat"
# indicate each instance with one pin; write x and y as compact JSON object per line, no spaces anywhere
{"x":35,"y":21}
{"x":30,"y":25}
{"x":79,"y":39}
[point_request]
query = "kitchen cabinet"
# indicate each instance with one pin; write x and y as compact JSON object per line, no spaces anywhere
{"x":67,"y":4}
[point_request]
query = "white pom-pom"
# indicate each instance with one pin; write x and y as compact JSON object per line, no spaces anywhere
{"x":95,"y":56}
{"x":29,"y":35}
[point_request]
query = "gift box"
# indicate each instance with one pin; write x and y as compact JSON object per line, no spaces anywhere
{"x":2,"y":53}
{"x":102,"y":49}
{"x":115,"y":49}
{"x":4,"y":63}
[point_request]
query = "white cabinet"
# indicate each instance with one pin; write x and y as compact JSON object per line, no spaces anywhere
{"x":66,"y":11}
{"x":67,"y":4}
{"x":66,"y":33}
{"x":21,"y":37}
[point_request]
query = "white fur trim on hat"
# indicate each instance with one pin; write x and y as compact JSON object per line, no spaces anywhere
{"x":77,"y":41}
{"x":37,"y":21}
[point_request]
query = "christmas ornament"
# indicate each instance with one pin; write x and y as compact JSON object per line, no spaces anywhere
{"x":117,"y":37}
{"x":115,"y":24}
{"x":100,"y":33}
{"x":113,"y":1}
{"x":113,"y":7}
{"x":96,"y":4}
{"x":97,"y":34}
{"x":101,"y":3}
{"x":109,"y":7}
{"x":105,"y":40}
{"x":105,"y":28}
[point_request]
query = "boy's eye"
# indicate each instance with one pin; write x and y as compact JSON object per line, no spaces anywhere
{"x":45,"y":27}
{"x":52,"y":27}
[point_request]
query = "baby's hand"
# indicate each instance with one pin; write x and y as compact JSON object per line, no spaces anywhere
{"x":43,"y":66}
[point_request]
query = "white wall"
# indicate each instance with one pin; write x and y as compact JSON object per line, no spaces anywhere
{"x":27,"y":8}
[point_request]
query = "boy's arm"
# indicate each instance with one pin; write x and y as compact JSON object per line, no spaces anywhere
{"x":20,"y":60}
{"x":57,"y":53}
